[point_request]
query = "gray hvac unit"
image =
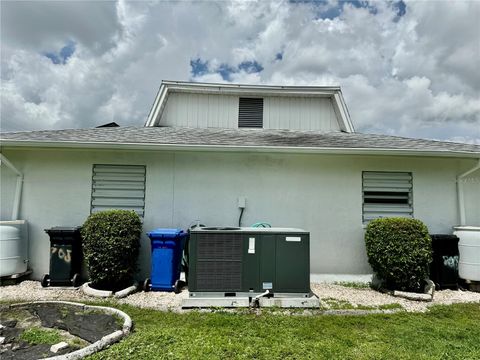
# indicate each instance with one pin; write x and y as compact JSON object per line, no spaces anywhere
{"x":246,"y":263}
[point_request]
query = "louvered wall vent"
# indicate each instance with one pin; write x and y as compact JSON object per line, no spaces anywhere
{"x":118,"y":187}
{"x":387,"y":194}
{"x":250,"y":113}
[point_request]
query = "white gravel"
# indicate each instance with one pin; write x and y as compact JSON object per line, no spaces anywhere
{"x":372,"y":298}
{"x":33,"y":291}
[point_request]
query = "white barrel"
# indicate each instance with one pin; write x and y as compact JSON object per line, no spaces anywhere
{"x":13,"y":247}
{"x":469,"y":249}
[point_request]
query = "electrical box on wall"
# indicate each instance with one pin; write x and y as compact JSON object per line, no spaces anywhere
{"x":242,"y":202}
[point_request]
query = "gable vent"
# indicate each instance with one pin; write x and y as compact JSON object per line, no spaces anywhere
{"x":250,"y":113}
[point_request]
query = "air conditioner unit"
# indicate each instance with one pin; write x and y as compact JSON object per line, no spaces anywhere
{"x":243,"y":263}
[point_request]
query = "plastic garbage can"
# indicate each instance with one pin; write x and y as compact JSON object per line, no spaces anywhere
{"x":65,"y":256}
{"x":167,"y":249}
{"x":444,"y":267}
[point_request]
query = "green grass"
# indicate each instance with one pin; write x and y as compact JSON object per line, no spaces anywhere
{"x":446,"y":332}
{"x":36,"y":335}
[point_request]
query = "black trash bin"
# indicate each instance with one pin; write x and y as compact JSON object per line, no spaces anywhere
{"x":444,"y":267}
{"x":65,"y":257}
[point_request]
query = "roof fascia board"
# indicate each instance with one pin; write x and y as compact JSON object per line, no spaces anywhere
{"x":251,"y":91}
{"x":235,"y":148}
{"x":342,"y":113}
{"x":187,"y":85}
{"x":158,"y":106}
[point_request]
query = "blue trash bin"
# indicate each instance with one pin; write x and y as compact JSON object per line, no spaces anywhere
{"x":167,"y":249}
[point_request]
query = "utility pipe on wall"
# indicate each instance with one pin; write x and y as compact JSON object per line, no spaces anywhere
{"x":460,"y":195}
{"x":18,"y":189}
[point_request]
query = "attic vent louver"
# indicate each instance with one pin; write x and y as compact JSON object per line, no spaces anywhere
{"x":250,"y":113}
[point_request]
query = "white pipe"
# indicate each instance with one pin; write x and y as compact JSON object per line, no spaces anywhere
{"x":18,"y":189}
{"x":262,"y":295}
{"x":460,"y":195}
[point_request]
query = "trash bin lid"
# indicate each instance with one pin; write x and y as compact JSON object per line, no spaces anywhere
{"x":162,"y":233}
{"x":444,"y":237}
{"x":63,"y":229}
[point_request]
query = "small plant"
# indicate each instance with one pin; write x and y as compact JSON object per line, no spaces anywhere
{"x":353,"y":284}
{"x":392,"y":306}
{"x":36,"y":335}
{"x":111,"y":242}
{"x":336,"y":304}
{"x":399,"y":251}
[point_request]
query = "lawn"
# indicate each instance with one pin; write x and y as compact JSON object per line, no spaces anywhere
{"x":446,"y":332}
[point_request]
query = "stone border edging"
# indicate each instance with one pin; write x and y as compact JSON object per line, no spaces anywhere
{"x":425,"y":296}
{"x":101,"y":344}
{"x":88,"y":290}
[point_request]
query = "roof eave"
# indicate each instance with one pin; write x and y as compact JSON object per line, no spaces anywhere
{"x":236,"y":148}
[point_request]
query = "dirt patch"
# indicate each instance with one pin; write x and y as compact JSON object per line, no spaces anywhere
{"x":31,"y":330}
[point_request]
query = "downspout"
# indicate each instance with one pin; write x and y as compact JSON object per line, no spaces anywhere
{"x":18,"y":189}
{"x":460,"y":196}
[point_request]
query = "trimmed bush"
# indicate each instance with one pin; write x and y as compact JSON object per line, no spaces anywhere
{"x":111,"y":242}
{"x":399,"y":251}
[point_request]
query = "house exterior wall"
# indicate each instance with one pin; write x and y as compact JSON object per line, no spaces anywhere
{"x":319,"y":193}
{"x":471,"y":186}
{"x":203,"y":110}
{"x":8,"y":180}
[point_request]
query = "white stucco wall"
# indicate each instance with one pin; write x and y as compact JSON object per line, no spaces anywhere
{"x":8,"y":179}
{"x":471,"y":186}
{"x":319,"y":193}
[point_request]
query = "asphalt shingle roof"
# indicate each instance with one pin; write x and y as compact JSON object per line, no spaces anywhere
{"x":234,"y":137}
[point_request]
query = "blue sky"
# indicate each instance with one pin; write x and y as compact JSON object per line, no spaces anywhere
{"x":62,"y":56}
{"x":401,"y":66}
{"x":201,"y":67}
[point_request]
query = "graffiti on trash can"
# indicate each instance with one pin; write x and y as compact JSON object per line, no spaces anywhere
{"x":450,"y":262}
{"x":63,"y":254}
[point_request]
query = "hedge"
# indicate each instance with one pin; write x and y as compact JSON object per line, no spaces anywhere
{"x":111,"y":243}
{"x":399,"y":251}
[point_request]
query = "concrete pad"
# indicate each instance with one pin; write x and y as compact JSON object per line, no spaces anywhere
{"x":291,"y":302}
{"x":227,"y":302}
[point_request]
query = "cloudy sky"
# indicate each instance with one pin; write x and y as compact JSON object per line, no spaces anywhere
{"x":406,"y":68}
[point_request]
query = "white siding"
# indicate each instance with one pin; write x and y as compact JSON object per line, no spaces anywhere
{"x":299,"y":113}
{"x":201,"y":110}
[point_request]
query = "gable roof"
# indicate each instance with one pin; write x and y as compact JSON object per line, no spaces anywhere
{"x":332,"y":92}
{"x":295,"y":141}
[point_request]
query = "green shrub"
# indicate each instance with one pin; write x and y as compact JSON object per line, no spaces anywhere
{"x":111,"y":242}
{"x":399,"y":251}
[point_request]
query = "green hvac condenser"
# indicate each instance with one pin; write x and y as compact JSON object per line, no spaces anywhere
{"x":246,"y":262}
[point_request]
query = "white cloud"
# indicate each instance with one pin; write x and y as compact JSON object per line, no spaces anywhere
{"x":413,"y":76}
